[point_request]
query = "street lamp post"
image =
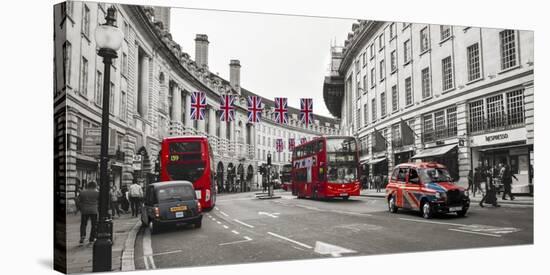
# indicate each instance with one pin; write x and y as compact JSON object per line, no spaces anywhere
{"x":108,"y":39}
{"x":269,"y":185}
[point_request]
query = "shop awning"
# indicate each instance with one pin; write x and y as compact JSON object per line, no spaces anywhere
{"x":434,"y":152}
{"x":503,"y":147}
{"x":375,"y":161}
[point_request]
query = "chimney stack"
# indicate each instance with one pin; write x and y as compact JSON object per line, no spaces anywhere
{"x":235,"y":75}
{"x":201,"y":50}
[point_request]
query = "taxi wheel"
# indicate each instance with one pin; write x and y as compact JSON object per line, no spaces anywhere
{"x":461,"y":213}
{"x":198,"y":224}
{"x":427,"y":210}
{"x":391,"y":205}
{"x":153,"y":227}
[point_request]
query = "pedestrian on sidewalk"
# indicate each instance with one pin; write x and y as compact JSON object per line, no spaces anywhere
{"x":123,"y":199}
{"x":377,"y":182}
{"x":478,"y":179}
{"x":135,"y":193}
{"x":88,"y":200}
{"x":491,"y":192}
{"x":115,"y":194}
{"x":506,"y":177}
{"x":470,"y":181}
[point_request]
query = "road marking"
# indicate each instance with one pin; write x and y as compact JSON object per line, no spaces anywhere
{"x":290,"y":240}
{"x":245,"y":224}
{"x":214,"y":219}
{"x":167,"y":252}
{"x":219,"y":222}
{"x":224,"y":214}
{"x":473,"y":232}
{"x":225,"y":226}
{"x":335,"y":251}
{"x":443,"y":223}
{"x":273,"y":215}
{"x":247,"y":239}
{"x":148,"y":250}
{"x":235,"y":232}
{"x":216,"y":208}
{"x":308,"y":207}
{"x":350,"y":213}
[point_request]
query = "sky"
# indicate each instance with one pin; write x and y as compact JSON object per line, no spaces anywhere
{"x":280,"y":55}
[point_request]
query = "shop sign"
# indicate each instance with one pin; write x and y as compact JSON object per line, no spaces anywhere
{"x":91,"y":144}
{"x":499,"y":137}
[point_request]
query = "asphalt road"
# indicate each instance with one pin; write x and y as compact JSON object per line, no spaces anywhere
{"x":243,"y":229}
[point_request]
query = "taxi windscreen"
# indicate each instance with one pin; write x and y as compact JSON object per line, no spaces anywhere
{"x":179,"y":192}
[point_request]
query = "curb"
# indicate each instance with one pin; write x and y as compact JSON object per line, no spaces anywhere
{"x":520,"y":204}
{"x":127,"y":259}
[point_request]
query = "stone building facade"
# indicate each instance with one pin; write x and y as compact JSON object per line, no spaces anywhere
{"x":151,"y":83}
{"x":466,"y":92}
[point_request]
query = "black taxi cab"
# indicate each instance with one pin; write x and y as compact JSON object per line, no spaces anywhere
{"x":170,"y":203}
{"x":427,"y":187}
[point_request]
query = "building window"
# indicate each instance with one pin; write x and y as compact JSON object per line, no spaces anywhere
{"x":452,"y":128}
{"x":373,"y":108}
{"x":515,"y":107}
{"x":84,"y":77}
{"x":371,"y":51}
{"x":439,"y":125}
{"x":124,"y":64}
{"x":408,"y":92}
{"x":365,"y":114}
{"x":357,"y":66}
{"x":474,"y":65}
{"x":445,"y":31}
{"x":98,"y":88}
{"x":86,"y":21}
{"x":126,"y":30}
{"x":358,"y":117}
{"x":382,"y":70}
{"x":372,"y":77}
{"x":381,"y":42}
{"x":393,"y":31}
{"x":358,"y":89}
{"x":407,"y":51}
{"x":67,"y":61}
{"x":508,"y":49}
{"x":426,"y":87}
{"x":393,"y":61}
{"x":383,"y":104}
{"x":476,"y":112}
{"x":495,"y":111}
{"x":447,"y":73}
{"x":112,"y":99}
{"x":365,"y":84}
{"x":123,"y":105}
{"x":424,"y":40}
{"x":364,"y":59}
{"x":394,"y":98}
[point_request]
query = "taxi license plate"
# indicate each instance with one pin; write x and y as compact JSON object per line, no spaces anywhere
{"x":178,"y":208}
{"x":456,"y":208}
{"x":343,"y":194}
{"x":179,"y":214}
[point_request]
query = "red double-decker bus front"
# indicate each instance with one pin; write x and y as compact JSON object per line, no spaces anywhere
{"x":326,"y":167}
{"x":189,"y":158}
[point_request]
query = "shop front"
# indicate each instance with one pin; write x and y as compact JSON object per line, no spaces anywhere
{"x":506,"y":147}
{"x":403,"y":155}
{"x":379,"y":167}
{"x":446,"y":155}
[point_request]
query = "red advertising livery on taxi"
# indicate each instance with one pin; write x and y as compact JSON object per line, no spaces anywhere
{"x":326,"y":167}
{"x":427,"y":187}
{"x":189,"y":158}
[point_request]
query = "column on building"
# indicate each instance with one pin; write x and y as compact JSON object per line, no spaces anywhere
{"x":529,"y":104}
{"x":389,"y":150}
{"x":464,"y":153}
{"x":128,"y":146}
{"x":202,"y":122}
{"x":188,"y":121}
{"x":212,"y":121}
{"x":144,"y":85}
{"x":176,"y":110}
{"x":70,"y":158}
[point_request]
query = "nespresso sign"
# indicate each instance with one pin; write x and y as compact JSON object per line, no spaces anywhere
{"x":499,"y":137}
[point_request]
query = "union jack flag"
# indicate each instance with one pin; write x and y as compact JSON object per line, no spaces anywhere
{"x":254,"y":109}
{"x":227,"y":107}
{"x":306,"y":109}
{"x":198,"y":105}
{"x":303,"y":140}
{"x":281,"y":110}
{"x":291,"y":144}
{"x":279,"y":145}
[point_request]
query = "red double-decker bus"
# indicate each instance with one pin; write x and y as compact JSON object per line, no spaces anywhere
{"x":326,"y":167}
{"x":190,"y":158}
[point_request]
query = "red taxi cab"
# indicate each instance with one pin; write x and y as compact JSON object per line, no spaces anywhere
{"x":427,"y":187}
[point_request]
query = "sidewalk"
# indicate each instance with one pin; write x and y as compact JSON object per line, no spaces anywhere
{"x":518,"y":200}
{"x":79,"y":256}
